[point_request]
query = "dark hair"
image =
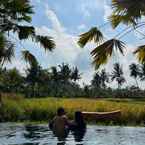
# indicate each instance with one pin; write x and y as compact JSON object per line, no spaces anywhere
{"x":79,"y":119}
{"x":60,"y":111}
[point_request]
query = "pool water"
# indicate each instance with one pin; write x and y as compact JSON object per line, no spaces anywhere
{"x":21,"y":134}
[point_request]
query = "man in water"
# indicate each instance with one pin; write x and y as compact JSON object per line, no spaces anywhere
{"x":59,"y":125}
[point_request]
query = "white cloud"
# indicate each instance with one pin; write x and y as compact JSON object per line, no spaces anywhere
{"x":87,"y":6}
{"x":67,"y":49}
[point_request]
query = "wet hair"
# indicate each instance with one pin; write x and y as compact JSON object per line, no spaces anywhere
{"x":79,"y":119}
{"x":60,"y":111}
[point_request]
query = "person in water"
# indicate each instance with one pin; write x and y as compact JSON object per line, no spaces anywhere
{"x":78,"y":122}
{"x":60,"y":124}
{"x":78,"y":126}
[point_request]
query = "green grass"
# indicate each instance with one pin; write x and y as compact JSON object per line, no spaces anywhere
{"x":132,"y":111}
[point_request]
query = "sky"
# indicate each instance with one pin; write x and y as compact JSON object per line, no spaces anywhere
{"x":65,"y":20}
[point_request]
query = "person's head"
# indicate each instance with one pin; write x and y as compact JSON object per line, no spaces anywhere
{"x":79,"y":117}
{"x":60,"y":111}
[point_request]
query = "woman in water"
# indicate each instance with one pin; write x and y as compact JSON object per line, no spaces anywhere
{"x":78,"y":126}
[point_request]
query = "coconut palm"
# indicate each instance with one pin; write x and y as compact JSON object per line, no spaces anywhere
{"x":128,"y":12}
{"x":75,"y":75}
{"x":96,"y":81}
{"x":103,"y":50}
{"x":104,"y":78}
{"x":134,"y":72}
{"x":6,"y":50}
{"x":142,"y":74}
{"x":117,"y":74}
{"x":15,"y":18}
{"x":65,"y":72}
{"x":30,"y":58}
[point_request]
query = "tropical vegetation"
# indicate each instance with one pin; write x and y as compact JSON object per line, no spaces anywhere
{"x":127,"y":12}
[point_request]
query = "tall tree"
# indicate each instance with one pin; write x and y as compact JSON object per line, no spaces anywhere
{"x":65,"y":72}
{"x":104,"y":78}
{"x":96,"y":81}
{"x":34,"y":70}
{"x":13,"y":80}
{"x":142,"y":74}
{"x":75,"y":75}
{"x":117,"y":74}
{"x":135,"y":72}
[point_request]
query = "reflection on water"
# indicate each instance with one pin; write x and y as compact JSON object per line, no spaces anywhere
{"x":18,"y":134}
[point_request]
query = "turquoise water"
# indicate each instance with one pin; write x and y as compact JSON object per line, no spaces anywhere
{"x":20,"y":134}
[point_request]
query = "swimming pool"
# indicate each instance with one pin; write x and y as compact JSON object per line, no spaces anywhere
{"x":21,"y":134}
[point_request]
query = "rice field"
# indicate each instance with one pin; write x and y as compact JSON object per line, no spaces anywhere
{"x":132,"y":111}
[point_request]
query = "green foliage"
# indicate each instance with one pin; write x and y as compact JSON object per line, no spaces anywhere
{"x":103,"y":52}
{"x":117,"y":75}
{"x":25,"y":31}
{"x":127,"y":11}
{"x":140,"y":53}
{"x":30,"y":58}
{"x":45,"y":42}
{"x":94,"y":34}
{"x":6,"y":50}
{"x":16,"y":17}
{"x":11,"y":111}
{"x":132,"y":111}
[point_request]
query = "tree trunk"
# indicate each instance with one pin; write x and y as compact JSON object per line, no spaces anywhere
{"x":136,"y":83}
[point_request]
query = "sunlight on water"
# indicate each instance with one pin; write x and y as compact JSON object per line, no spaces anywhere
{"x":19,"y":134}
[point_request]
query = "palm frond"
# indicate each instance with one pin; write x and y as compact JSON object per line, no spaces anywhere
{"x":117,"y":19}
{"x":103,"y":52}
{"x":140,"y":53}
{"x":29,"y":57}
{"x":6,"y":49}
{"x":46,"y":42}
{"x":24,"y":32}
{"x":9,"y":53}
{"x":25,"y":18}
{"x":94,"y":34}
{"x":127,"y":11}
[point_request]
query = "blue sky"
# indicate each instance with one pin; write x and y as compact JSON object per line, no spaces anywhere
{"x":64,"y":20}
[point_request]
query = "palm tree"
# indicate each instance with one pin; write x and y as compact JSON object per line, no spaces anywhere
{"x":103,"y":50}
{"x":16,"y":17}
{"x":55,"y":77}
{"x":33,"y":72}
{"x":128,"y":12}
{"x":65,"y":72}
{"x":96,"y":81}
{"x":6,"y":50}
{"x":13,"y":80}
{"x":142,"y":74}
{"x":134,"y":72}
{"x":104,"y":78}
{"x":75,"y":75}
{"x":117,"y":74}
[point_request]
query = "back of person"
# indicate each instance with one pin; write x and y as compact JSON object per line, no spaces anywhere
{"x":78,"y":126}
{"x":78,"y":123}
{"x":59,"y":124}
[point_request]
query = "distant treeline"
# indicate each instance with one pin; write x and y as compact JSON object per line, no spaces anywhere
{"x":63,"y":81}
